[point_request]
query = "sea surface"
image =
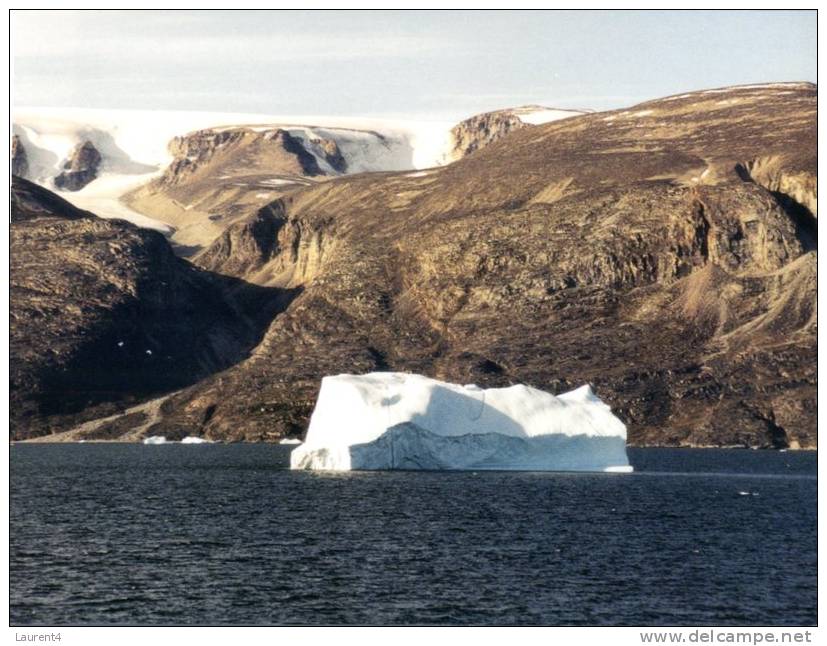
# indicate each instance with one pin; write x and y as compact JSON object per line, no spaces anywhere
{"x":104,"y":534}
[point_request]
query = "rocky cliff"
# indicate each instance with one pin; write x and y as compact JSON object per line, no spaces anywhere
{"x":80,"y":168}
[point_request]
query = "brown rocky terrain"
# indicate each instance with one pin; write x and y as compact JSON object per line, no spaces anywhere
{"x":103,"y":315}
{"x":476,"y":132}
{"x":637,"y":250}
{"x":80,"y":168}
{"x":218,"y":175}
{"x":665,"y":254}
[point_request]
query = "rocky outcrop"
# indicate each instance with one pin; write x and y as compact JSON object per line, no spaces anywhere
{"x":770,"y":172}
{"x":80,"y":168}
{"x":219,"y":175}
{"x":19,"y":158}
{"x":104,"y":315}
{"x":246,"y":246}
{"x":231,"y":150}
{"x":478,"y":131}
{"x":331,"y":153}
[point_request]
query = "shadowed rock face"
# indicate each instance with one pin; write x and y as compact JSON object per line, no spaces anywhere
{"x":332,"y":154}
{"x":30,"y":201}
{"x":626,"y":249}
{"x":19,"y":158}
{"x":80,"y":168}
{"x":103,"y":315}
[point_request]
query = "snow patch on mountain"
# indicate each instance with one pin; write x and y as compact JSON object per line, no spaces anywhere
{"x":546,"y":115}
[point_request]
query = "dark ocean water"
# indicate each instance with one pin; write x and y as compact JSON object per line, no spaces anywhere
{"x":224,"y":534}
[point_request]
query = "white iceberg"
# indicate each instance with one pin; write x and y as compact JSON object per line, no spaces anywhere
{"x":406,"y":421}
{"x":290,"y":440}
{"x":193,"y":439}
{"x":155,"y":439}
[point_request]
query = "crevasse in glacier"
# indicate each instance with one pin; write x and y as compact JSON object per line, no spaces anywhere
{"x":387,"y":420}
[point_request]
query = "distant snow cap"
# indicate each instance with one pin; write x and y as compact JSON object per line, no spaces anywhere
{"x":537,"y":115}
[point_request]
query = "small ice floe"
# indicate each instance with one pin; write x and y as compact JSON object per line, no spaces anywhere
{"x":747,"y":493}
{"x":149,"y":352}
{"x":291,"y":440}
{"x":155,"y":439}
{"x":192,"y":439}
{"x":120,"y":344}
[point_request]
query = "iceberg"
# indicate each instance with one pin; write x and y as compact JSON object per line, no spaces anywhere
{"x":290,"y":440}
{"x":155,"y":439}
{"x":391,"y":420}
{"x":194,"y":439}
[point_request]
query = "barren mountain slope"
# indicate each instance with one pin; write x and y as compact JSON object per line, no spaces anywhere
{"x":219,"y":175}
{"x":103,"y":315}
{"x":664,"y":253}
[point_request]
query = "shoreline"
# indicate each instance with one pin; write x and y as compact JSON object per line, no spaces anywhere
{"x":50,"y":440}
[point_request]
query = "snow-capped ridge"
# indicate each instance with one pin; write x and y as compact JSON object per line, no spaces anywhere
{"x":134,"y":146}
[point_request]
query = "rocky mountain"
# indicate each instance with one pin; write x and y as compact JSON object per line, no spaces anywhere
{"x":80,"y":168}
{"x":19,"y":159}
{"x":218,"y":175}
{"x":476,"y":132}
{"x":104,"y":315}
{"x":214,"y":176}
{"x":193,"y":186}
{"x":665,"y":253}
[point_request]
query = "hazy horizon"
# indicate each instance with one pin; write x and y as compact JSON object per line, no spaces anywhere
{"x":396,"y":64}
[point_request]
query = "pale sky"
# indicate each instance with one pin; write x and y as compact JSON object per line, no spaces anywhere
{"x":396,"y":63}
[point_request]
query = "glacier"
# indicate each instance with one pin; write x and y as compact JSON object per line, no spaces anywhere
{"x":392,"y":420}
